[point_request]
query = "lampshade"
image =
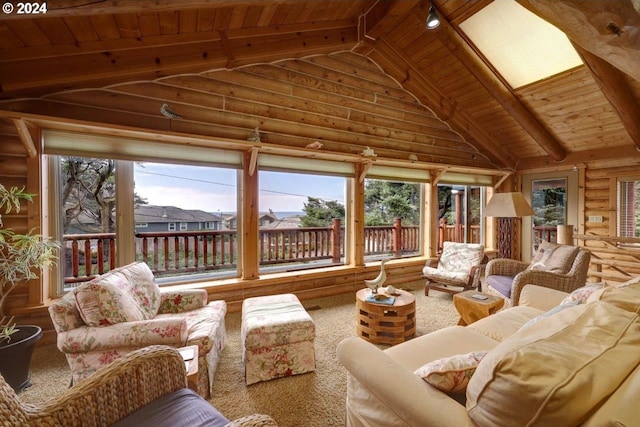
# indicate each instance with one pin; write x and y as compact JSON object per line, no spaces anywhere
{"x":432,"y":19}
{"x":508,"y":205}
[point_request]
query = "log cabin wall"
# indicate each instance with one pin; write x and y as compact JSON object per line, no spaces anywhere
{"x":614,"y":260}
{"x":343,"y":101}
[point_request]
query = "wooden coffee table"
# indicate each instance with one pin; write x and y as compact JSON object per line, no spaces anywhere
{"x":473,"y":309}
{"x":386,"y":324}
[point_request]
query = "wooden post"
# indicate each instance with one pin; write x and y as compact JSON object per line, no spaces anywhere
{"x":397,"y":237}
{"x":335,"y":240}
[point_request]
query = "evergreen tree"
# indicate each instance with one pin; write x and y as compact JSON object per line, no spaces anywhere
{"x":319,"y":213}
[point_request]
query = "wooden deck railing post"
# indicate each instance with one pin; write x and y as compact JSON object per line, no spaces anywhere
{"x":335,"y":240}
{"x":397,"y":237}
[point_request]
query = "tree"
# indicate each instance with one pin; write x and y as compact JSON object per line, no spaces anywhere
{"x":89,"y":194}
{"x":319,"y":213}
{"x":387,"y":200}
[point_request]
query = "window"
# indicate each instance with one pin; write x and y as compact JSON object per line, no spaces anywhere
{"x":549,"y":203}
{"x":521,"y":46}
{"x":460,"y":214}
{"x":184,"y":226}
{"x":629,"y":207}
{"x":171,"y":226}
{"x":142,"y":225}
{"x":302,"y":220}
{"x":392,"y":218}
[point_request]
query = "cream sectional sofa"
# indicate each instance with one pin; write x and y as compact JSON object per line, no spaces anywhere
{"x":579,"y":366}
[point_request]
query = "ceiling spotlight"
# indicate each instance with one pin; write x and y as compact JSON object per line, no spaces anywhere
{"x":432,"y":19}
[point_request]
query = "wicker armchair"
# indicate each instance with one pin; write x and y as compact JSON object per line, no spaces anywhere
{"x":510,"y":276}
{"x":112,"y":393}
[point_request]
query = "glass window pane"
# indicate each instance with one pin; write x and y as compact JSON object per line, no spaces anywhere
{"x":629,"y":208}
{"x":87,"y":213}
{"x":186,"y":210}
{"x":392,"y":218}
{"x":459,"y":214}
{"x":549,"y":203}
{"x":301,"y":221}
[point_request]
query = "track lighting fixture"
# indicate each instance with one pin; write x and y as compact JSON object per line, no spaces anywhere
{"x":432,"y":19}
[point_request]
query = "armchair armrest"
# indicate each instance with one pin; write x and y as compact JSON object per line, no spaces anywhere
{"x":505,"y":267}
{"x":170,"y":331}
{"x":394,"y":390}
{"x":182,"y":300}
{"x":546,"y":279}
{"x":114,"y":391}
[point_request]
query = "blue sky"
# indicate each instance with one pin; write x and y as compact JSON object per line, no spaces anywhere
{"x":213,"y":189}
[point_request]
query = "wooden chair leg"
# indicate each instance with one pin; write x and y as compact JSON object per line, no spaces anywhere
{"x":426,"y":288}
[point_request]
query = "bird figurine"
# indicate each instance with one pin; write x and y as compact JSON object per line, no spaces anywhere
{"x":164,"y":109}
{"x":374,"y":284}
{"x":316,"y":145}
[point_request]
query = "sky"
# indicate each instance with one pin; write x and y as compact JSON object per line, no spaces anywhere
{"x":214,"y":189}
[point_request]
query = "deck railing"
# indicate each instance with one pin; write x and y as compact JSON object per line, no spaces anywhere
{"x":185,"y":252}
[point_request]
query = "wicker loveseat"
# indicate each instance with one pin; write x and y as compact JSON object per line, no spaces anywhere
{"x":147,"y":387}
{"x":124,"y":310}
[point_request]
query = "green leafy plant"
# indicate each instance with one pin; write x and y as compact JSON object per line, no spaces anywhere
{"x":7,"y":328}
{"x":22,"y":256}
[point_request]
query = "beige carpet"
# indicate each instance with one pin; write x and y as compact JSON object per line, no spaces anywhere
{"x":310,"y":400}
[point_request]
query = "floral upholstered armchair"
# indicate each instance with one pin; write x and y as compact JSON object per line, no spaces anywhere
{"x":124,"y":309}
{"x":457,"y":269}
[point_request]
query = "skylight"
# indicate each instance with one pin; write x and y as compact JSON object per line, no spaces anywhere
{"x":521,"y":46}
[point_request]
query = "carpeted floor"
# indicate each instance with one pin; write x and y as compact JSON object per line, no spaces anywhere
{"x":310,"y":400}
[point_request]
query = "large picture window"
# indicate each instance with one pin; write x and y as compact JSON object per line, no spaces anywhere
{"x":302,"y":220}
{"x":393,"y":219}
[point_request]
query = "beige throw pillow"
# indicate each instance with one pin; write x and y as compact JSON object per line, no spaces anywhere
{"x":556,"y":372}
{"x":554,"y":258}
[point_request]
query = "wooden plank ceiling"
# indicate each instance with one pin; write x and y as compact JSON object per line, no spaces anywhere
{"x":348,"y":73}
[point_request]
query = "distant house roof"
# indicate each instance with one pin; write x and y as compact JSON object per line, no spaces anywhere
{"x":287,"y":222}
{"x":163,"y":214}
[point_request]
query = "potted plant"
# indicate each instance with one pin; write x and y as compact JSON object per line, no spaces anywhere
{"x":22,"y":256}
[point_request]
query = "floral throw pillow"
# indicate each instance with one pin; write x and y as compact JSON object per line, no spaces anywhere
{"x":107,"y":302}
{"x":451,"y":374}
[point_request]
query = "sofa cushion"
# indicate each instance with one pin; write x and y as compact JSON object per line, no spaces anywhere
{"x":625,"y":296}
{"x":143,"y":286}
{"x":107,"y":303}
{"x":556,"y":372}
{"x":501,"y":284}
{"x":124,"y":294}
{"x":451,"y":374}
{"x":505,"y":323}
{"x":182,"y":408}
{"x":554,"y":258}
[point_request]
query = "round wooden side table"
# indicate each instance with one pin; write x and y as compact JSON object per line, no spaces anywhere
{"x":386,"y":324}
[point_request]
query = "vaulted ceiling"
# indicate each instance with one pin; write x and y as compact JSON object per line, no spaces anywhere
{"x":79,"y":51}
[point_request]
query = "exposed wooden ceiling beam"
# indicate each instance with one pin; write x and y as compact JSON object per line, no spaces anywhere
{"x":386,"y":14}
{"x":476,"y":66}
{"x":608,"y":29}
{"x":58,"y":8}
{"x":149,"y":62}
{"x":616,"y":90}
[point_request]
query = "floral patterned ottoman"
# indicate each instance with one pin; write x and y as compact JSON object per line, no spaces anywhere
{"x":277,"y":338}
